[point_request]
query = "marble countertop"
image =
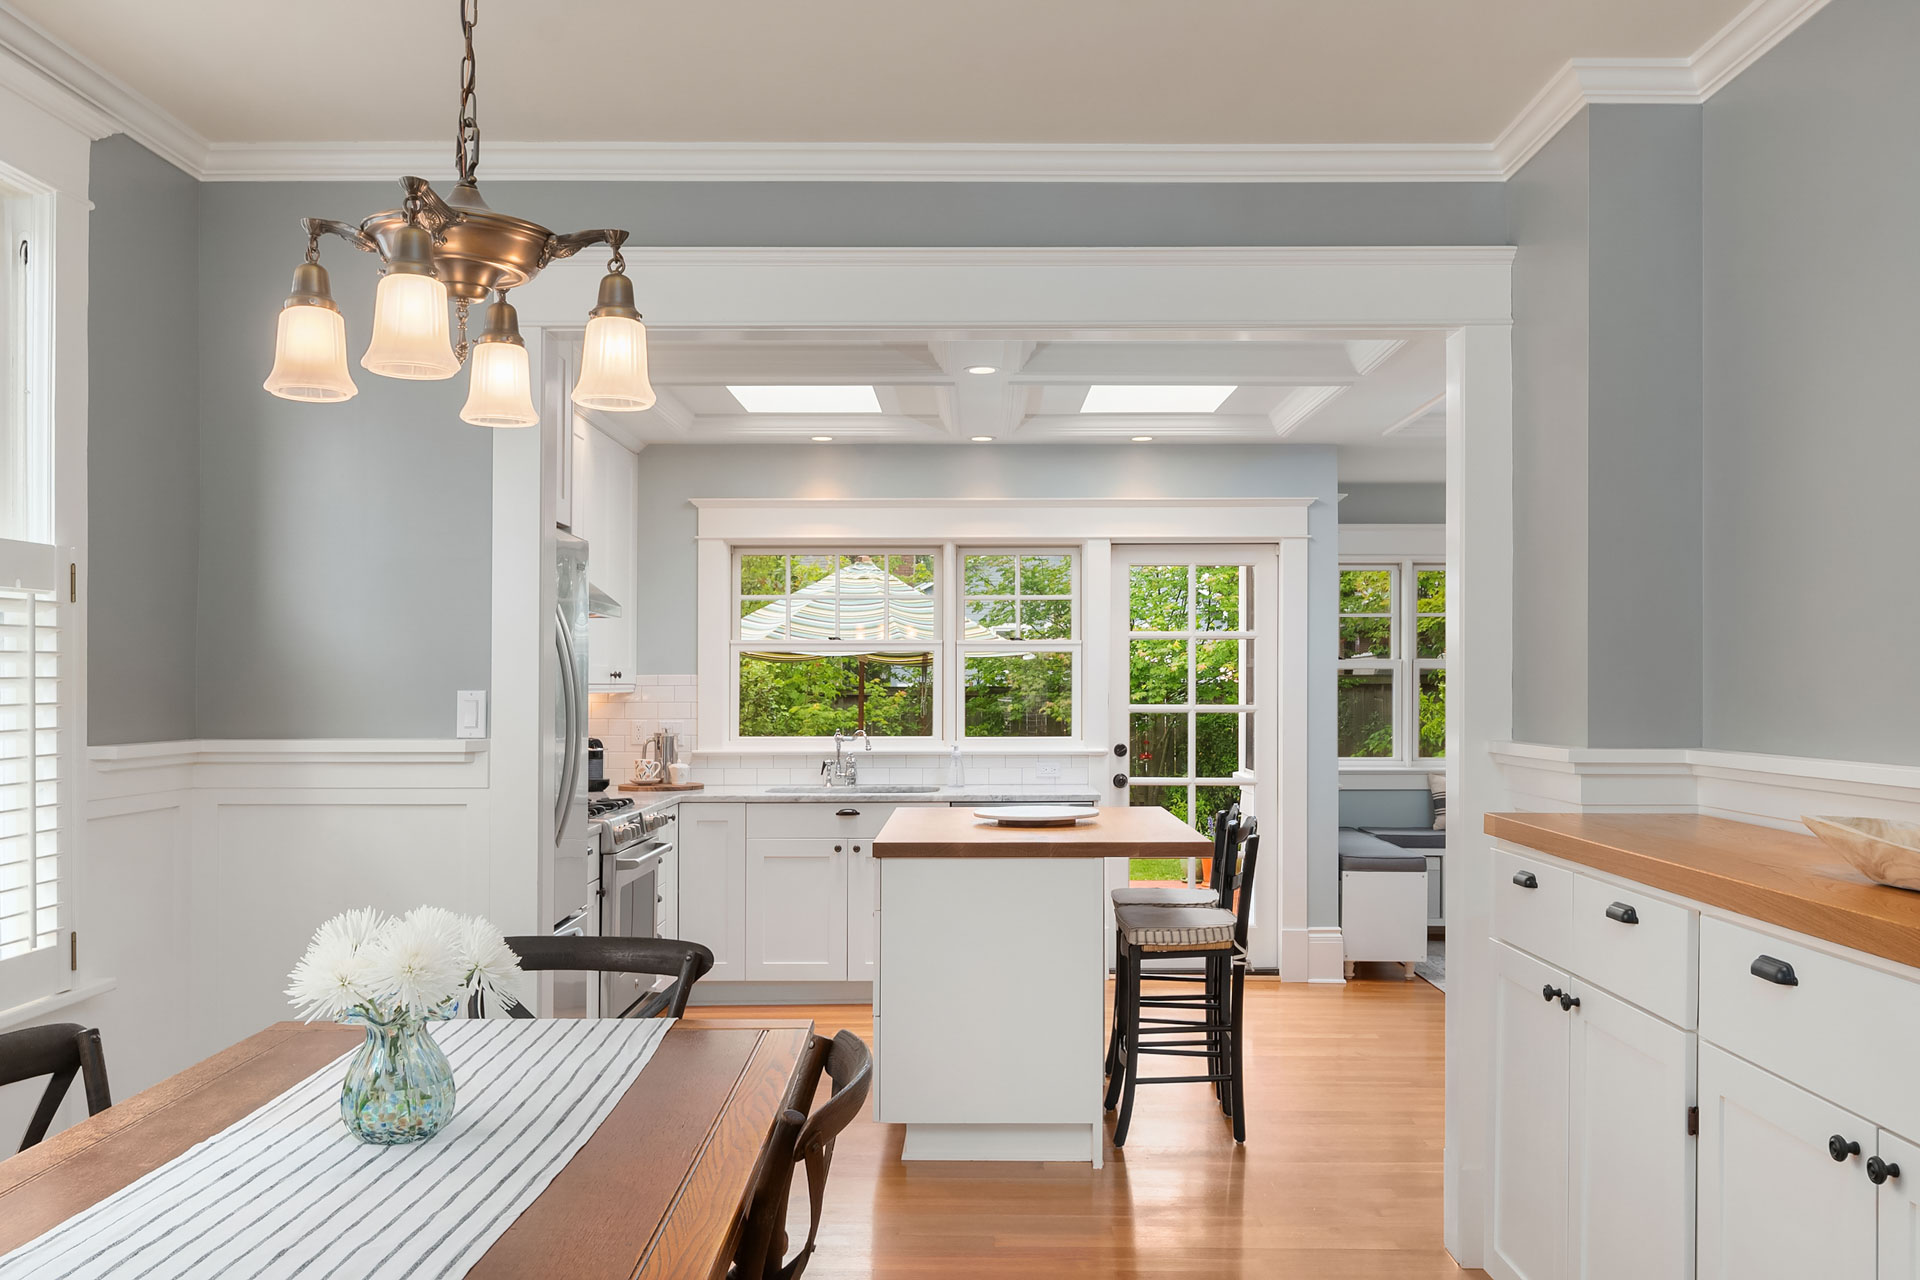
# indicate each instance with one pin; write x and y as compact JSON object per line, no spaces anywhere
{"x":984,"y":793}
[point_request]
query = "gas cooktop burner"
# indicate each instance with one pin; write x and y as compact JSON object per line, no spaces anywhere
{"x":604,"y":808}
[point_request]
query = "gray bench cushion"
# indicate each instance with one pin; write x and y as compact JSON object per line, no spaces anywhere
{"x":1410,"y":837}
{"x":1165,"y":896}
{"x":1177,"y":928}
{"x":1362,"y":852}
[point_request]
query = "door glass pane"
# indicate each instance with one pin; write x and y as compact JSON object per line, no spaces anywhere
{"x":1365,"y":710}
{"x":1159,"y":744}
{"x":1216,"y":672}
{"x":814,"y":695}
{"x":1216,"y":744}
{"x":1157,"y":672}
{"x":1019,"y":695}
{"x":1159,"y":870}
{"x":1217,"y":603}
{"x":1208,"y":801}
{"x":1433,"y":713}
{"x":1157,"y":597}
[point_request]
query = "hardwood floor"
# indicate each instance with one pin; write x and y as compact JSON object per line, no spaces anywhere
{"x":1339,"y":1178}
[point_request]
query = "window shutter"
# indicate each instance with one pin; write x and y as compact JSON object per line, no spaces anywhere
{"x":34,"y":741}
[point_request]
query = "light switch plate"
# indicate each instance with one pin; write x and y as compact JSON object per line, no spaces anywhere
{"x":470,"y":713}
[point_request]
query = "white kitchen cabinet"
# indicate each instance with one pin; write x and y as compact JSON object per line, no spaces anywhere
{"x":1899,"y":1209}
{"x":797,"y":909}
{"x":1774,"y":1203}
{"x":1629,"y":1152}
{"x":712,"y":846}
{"x":1531,"y":1059}
{"x":606,"y":519}
{"x":863,"y":915}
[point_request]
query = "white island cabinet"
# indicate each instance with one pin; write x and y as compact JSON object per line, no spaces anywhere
{"x":1682,"y":1083}
{"x":991,"y":992}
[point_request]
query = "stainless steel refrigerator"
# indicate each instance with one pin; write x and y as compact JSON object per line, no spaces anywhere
{"x":576,"y":855}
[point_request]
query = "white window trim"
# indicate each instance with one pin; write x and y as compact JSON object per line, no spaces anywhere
{"x":42,"y":153}
{"x":1403,"y":550}
{"x":1087,"y":527}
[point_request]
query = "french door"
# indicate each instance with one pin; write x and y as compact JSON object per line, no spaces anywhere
{"x":1195,"y":651}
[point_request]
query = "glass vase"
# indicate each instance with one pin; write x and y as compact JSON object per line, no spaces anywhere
{"x":399,"y":1085}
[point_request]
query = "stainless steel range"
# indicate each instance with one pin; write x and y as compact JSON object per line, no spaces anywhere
{"x":632,"y":844}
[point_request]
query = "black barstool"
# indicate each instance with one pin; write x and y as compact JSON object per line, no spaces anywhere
{"x":1213,"y":934}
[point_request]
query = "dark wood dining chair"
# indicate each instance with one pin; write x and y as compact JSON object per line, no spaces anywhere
{"x":685,"y":962}
{"x":59,"y":1050}
{"x":802,"y":1140}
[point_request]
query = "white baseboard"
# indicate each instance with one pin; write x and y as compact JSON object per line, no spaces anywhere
{"x":1326,"y":956}
{"x":1770,"y":790}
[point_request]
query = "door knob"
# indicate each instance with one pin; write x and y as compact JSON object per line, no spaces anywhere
{"x":1120,"y":749}
{"x":1119,"y":779}
{"x":1878,"y":1170}
{"x":1839,"y":1148}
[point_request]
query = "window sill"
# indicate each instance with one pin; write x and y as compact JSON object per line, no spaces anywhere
{"x":37,"y":1010}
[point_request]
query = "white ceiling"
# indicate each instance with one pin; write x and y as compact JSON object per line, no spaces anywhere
{"x":1377,"y":397}
{"x":994,"y":71}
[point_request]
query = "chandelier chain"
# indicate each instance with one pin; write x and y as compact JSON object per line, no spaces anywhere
{"x":466,"y":142}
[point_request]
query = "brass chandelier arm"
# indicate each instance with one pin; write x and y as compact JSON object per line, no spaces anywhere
{"x":565,"y":246}
{"x":435,"y":214}
{"x":317,"y":227}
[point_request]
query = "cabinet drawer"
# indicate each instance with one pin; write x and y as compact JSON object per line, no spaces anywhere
{"x":1533,"y":906}
{"x":811,"y":820}
{"x":1648,"y":962}
{"x":1842,"y":1030}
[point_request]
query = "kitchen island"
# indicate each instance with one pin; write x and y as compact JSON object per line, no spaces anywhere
{"x":989,"y":998}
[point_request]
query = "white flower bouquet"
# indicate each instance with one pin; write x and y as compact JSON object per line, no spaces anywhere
{"x":366,"y":966}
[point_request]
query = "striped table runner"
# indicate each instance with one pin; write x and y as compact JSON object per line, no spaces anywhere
{"x":289,"y":1192}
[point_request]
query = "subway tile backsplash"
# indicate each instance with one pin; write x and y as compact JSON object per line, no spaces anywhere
{"x":624,"y":721}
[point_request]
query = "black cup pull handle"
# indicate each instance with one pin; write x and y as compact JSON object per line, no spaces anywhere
{"x":1839,"y":1148}
{"x":1550,"y":993}
{"x":847,"y":813}
{"x":1526,"y":880}
{"x":1778,"y":972}
{"x":1624,"y":913}
{"x":1878,"y":1170}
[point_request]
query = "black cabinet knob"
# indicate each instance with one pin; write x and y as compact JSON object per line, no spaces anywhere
{"x":1568,"y":1002}
{"x":1526,"y":880}
{"x":1839,"y":1148}
{"x":1778,"y":972}
{"x":1624,"y":913}
{"x":1878,"y":1170}
{"x":1550,"y":993}
{"x":836,"y":848}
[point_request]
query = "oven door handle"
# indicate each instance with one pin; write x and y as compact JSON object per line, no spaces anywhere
{"x":642,"y":861}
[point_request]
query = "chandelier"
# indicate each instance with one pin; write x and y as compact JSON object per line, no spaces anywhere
{"x":457,"y":249}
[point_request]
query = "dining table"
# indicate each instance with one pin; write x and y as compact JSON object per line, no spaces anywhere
{"x":659,"y":1188}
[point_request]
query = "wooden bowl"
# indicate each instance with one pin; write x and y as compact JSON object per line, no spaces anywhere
{"x":1884,"y":850}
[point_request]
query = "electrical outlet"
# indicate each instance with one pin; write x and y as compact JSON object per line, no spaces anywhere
{"x":1048,"y":772}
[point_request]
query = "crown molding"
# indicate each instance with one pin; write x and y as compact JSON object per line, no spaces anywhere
{"x":54,"y":77}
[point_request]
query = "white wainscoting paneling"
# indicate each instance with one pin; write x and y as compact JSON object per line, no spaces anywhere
{"x":1772,"y":790}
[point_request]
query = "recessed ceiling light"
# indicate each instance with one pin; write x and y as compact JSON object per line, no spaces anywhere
{"x":1143,"y":439}
{"x":1154,"y":399}
{"x":981,"y":368}
{"x":823,"y":439}
{"x":981,"y":439}
{"x":807,"y":399}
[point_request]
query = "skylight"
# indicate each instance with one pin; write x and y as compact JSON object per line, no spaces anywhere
{"x":807,"y":399}
{"x":1154,"y":399}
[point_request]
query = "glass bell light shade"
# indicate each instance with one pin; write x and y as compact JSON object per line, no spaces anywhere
{"x":410,"y":332}
{"x":613,"y":359}
{"x":310,"y":349}
{"x":500,"y":384}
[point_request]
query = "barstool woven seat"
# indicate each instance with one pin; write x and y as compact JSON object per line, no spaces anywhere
{"x":1177,"y":928}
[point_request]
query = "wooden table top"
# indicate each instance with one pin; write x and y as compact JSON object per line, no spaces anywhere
{"x":1120,"y":831}
{"x":1784,"y":878}
{"x":657,"y":1191}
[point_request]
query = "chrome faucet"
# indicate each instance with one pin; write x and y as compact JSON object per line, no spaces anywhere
{"x":844,"y":770}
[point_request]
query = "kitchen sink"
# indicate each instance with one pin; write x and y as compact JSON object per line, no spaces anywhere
{"x":858,"y":789}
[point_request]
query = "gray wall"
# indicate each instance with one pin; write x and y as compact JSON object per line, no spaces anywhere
{"x":1812,"y":271}
{"x":670,"y":475}
{"x":1393,"y":504}
{"x":1607,"y":449}
{"x":143,"y":501}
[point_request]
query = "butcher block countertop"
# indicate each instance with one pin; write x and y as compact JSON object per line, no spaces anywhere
{"x":1784,"y":878}
{"x":1119,"y":832}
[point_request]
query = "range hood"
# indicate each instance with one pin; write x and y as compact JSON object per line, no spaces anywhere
{"x":600,"y":604}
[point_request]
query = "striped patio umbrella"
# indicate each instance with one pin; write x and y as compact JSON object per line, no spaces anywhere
{"x":858,"y":601}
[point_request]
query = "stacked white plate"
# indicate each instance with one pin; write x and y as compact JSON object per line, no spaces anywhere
{"x":1037,"y":815}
